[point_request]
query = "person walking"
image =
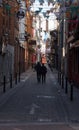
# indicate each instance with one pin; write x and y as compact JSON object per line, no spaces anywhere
{"x":38,"y":71}
{"x":43,"y":73}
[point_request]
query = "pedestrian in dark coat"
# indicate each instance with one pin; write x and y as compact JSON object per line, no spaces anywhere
{"x":43,"y":73}
{"x":38,"y":71}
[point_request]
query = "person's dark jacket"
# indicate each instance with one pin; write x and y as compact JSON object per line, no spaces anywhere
{"x":38,"y":68}
{"x":43,"y":69}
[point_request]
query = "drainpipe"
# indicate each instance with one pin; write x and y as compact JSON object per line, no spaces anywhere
{"x":64,"y":49}
{"x":59,"y":50}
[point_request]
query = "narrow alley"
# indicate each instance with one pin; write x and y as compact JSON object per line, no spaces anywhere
{"x":33,"y":102}
{"x":39,"y":64}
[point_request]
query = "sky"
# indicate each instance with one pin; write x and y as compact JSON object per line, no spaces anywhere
{"x":36,"y":5}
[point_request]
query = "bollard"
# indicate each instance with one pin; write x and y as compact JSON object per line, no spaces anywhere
{"x":19,"y":77}
{"x":60,"y":78}
{"x":71,"y":91}
{"x":10,"y":80}
{"x":66,"y":84}
{"x":62,"y":81}
{"x":4,"y":84}
{"x":15,"y":78}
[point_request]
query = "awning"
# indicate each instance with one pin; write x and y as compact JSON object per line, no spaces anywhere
{"x":75,"y":44}
{"x":70,"y":39}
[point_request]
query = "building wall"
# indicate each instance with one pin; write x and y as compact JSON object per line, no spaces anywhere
{"x":8,"y":33}
{"x":1,"y":22}
{"x":29,"y":29}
